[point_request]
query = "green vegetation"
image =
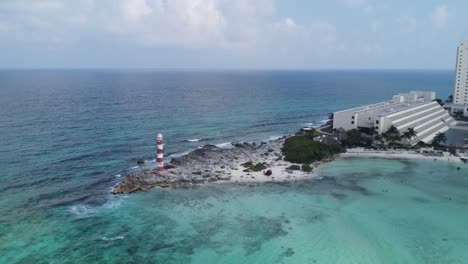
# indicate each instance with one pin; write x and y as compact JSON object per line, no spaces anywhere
{"x":439,"y":138}
{"x":371,"y":138}
{"x":306,"y":167}
{"x":421,"y":144}
{"x":327,"y":129}
{"x":356,"y":138}
{"x":392,"y":135}
{"x":303,"y":149}
{"x":449,"y":99}
{"x":251,"y":167}
{"x":248,"y":164}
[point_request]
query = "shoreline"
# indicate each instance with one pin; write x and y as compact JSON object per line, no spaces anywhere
{"x":395,"y":154}
{"x":212,"y":163}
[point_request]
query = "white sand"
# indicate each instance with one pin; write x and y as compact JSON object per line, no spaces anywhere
{"x":390,"y":154}
{"x":279,"y":173}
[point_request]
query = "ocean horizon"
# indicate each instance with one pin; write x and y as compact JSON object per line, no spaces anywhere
{"x":69,"y":136}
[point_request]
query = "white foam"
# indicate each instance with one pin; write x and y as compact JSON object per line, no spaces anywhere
{"x":82,"y":211}
{"x":224,"y":145}
{"x":112,"y":238}
{"x":273,"y":138}
{"x":317,"y":124}
{"x":193,"y":140}
{"x":118,"y":175}
{"x":134,"y":167}
{"x":113,"y":203}
{"x":176,"y":155}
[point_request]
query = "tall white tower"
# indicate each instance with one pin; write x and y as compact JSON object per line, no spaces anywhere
{"x":460,"y":92}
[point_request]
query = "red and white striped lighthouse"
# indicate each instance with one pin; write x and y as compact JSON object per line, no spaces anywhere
{"x":160,"y":152}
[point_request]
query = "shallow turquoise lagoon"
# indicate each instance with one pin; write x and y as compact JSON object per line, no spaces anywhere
{"x":356,"y":211}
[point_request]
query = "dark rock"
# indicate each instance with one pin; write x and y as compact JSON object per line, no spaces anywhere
{"x":294,"y":167}
{"x":169,"y":166}
{"x":141,"y":161}
{"x":268,"y":173}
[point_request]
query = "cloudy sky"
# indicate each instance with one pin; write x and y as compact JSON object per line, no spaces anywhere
{"x":240,"y":34}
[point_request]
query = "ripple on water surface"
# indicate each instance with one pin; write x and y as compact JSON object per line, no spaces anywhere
{"x":358,"y":211}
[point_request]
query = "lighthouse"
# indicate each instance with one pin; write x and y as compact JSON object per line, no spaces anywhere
{"x":160,"y":152}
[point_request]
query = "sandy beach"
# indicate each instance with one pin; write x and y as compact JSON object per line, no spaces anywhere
{"x":397,"y":154}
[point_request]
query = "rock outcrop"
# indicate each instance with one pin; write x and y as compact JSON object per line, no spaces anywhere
{"x":206,"y":164}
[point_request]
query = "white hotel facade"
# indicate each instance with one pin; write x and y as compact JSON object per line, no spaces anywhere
{"x":460,"y":91}
{"x":416,"y":109}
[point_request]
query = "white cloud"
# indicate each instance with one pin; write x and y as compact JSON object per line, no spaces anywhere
{"x":134,"y":9}
{"x":286,"y":24}
{"x":178,"y":22}
{"x":246,"y":24}
{"x":249,"y":25}
{"x":440,"y":16}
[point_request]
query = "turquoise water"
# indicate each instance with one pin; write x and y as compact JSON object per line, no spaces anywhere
{"x":361,"y":211}
{"x":67,"y":137}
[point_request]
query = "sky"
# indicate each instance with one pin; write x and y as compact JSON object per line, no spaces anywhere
{"x":231,"y":34}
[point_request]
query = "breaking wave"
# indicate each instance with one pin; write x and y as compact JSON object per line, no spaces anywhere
{"x":224,"y":145}
{"x":317,"y":124}
{"x":194,"y":140}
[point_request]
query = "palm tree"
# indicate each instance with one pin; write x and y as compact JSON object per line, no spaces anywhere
{"x":378,"y":138}
{"x":439,"y":138}
{"x":374,"y":133}
{"x":449,"y":99}
{"x":392,"y":134}
{"x":409,"y":134}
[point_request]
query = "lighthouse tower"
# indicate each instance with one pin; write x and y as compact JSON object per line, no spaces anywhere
{"x":160,"y":152}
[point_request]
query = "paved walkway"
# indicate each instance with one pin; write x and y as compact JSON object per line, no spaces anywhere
{"x":323,"y":132}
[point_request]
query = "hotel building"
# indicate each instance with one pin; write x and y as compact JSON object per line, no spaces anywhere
{"x":416,"y":109}
{"x":460,"y":92}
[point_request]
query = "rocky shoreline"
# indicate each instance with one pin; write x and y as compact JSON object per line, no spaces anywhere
{"x":211,"y":164}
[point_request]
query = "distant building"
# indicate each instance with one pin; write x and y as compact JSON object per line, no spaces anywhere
{"x":460,"y":92}
{"x":416,"y":109}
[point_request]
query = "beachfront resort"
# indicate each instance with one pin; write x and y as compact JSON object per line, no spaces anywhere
{"x":416,"y":110}
{"x":418,"y":114}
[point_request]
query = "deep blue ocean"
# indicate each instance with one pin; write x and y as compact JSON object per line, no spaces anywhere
{"x":68,"y":136}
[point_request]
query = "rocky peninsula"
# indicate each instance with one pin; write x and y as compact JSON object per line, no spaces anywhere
{"x":239,"y":163}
